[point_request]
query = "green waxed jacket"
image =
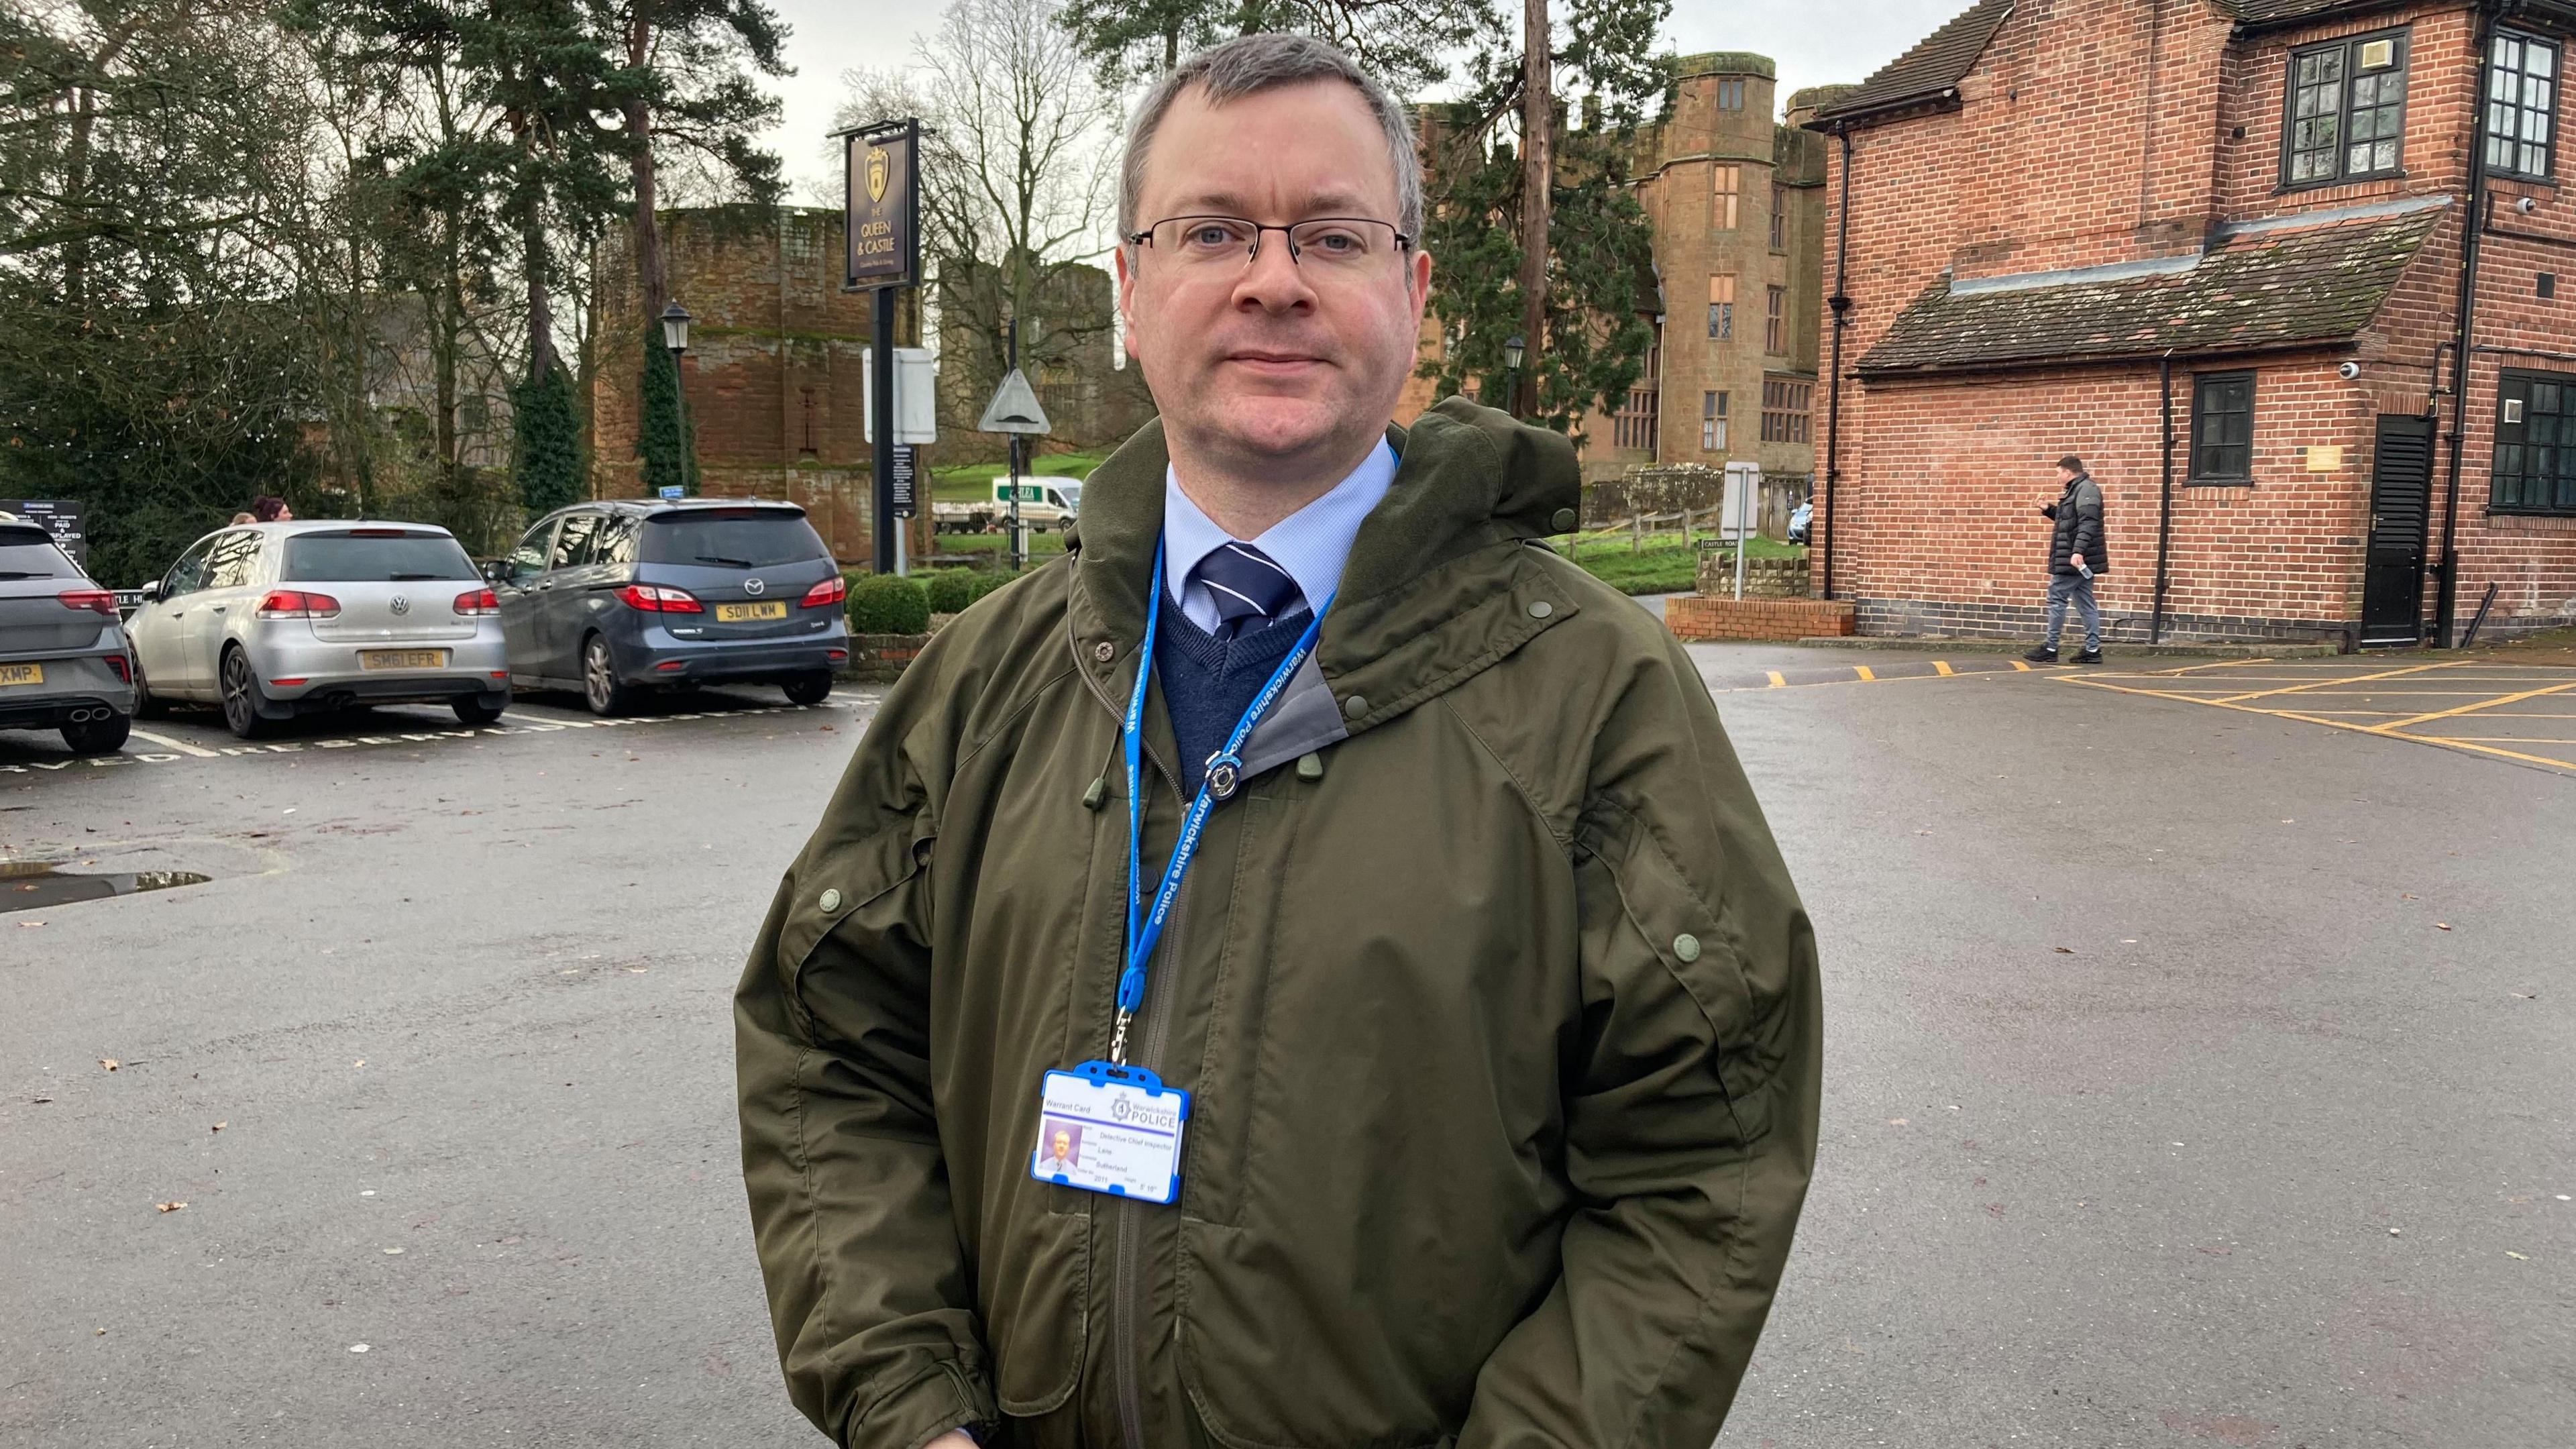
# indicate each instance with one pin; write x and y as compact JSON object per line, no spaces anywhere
{"x":1500,"y":1012}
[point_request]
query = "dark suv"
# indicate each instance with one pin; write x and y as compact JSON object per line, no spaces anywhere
{"x":616,"y":598}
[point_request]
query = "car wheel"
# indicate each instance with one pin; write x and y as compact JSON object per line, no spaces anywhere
{"x":811,"y":688}
{"x":146,"y":705}
{"x":97,"y":736}
{"x":600,"y":687}
{"x":475,"y":709}
{"x":242,"y":698}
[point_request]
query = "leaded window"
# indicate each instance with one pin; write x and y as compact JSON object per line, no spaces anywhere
{"x":2535,"y":444}
{"x":2522,"y":106}
{"x":1712,"y":422}
{"x":2346,"y":111}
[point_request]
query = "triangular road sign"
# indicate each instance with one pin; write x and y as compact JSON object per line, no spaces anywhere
{"x":1014,"y":408}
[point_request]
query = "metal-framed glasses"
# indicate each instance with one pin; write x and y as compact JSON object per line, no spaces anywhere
{"x":1339,"y":243}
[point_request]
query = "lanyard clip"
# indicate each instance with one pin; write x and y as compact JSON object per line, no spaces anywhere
{"x":1224,"y":773}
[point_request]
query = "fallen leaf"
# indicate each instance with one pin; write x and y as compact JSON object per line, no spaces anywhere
{"x":99,"y":1331}
{"x":393,"y":1252}
{"x":2517,"y":1257}
{"x":2395,"y":1233}
{"x":168,"y":1207}
{"x":29,"y":925}
{"x":1895,"y":1121}
{"x":40,"y":1101}
{"x":218,"y":1127}
{"x":357,"y":1348}
{"x":2063,"y":950}
{"x":360,"y":1062}
{"x":110,"y":1063}
{"x":2441,"y":925}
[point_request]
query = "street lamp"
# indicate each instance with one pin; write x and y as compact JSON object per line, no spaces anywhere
{"x":675,"y":327}
{"x":675,"y":336}
{"x":1514,"y":347}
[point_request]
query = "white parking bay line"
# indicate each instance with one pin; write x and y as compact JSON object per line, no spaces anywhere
{"x":182,"y":746}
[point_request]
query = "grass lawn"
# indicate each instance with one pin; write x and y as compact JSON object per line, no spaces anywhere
{"x":1663,"y":566}
{"x":972,"y":482}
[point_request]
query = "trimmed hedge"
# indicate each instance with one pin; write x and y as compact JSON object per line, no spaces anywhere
{"x":887,"y":604}
{"x":951,"y":590}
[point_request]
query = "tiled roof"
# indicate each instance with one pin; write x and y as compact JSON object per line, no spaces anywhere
{"x":1932,"y":66}
{"x":2257,"y":289}
{"x":2274,"y":12}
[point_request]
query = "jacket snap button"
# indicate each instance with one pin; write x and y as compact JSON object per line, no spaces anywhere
{"x":1686,"y":946}
{"x":1355,"y":706}
{"x":831,"y":900}
{"x":1542,"y":609}
{"x":1563,"y":522}
{"x":1104,"y":651}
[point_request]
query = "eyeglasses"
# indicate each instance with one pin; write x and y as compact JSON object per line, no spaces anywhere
{"x":1340,"y":243}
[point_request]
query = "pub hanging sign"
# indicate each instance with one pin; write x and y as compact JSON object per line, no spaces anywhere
{"x":884,"y":209}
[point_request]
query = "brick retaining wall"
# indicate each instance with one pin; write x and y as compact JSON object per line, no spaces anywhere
{"x":1702,"y":616}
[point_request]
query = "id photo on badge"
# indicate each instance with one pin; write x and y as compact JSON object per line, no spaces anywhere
{"x":1059,"y":1146}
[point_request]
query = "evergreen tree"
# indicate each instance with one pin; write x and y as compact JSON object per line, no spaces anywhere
{"x":661,"y":434}
{"x":545,"y":454}
{"x":1599,"y":270}
{"x":1405,"y":46}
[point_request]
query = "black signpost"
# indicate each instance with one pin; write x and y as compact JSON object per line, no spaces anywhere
{"x":884,"y":240}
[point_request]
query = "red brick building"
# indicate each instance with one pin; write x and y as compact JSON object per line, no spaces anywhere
{"x":2056,"y":223}
{"x":774,"y":381}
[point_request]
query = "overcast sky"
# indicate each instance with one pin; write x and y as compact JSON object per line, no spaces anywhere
{"x":1815,"y":42}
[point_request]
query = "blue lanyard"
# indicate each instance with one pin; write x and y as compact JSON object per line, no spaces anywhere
{"x":1143,"y":934}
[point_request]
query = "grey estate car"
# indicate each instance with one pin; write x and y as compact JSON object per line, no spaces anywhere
{"x":617,"y":598}
{"x":64,"y":660}
{"x":272,"y":620}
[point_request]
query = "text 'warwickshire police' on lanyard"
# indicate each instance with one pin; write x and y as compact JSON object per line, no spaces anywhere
{"x":1225,"y":766}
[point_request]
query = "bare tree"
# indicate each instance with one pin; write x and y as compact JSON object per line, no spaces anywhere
{"x":1019,"y":179}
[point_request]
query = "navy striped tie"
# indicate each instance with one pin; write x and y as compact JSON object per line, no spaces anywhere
{"x":1249,"y":589}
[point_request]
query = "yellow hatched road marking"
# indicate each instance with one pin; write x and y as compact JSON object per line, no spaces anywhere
{"x":1942,"y":668}
{"x":2378,"y":731}
{"x":2024,"y":668}
{"x":2336,"y":679}
{"x":1865,"y":672}
{"x":1779,"y":680}
{"x":2472,"y":708}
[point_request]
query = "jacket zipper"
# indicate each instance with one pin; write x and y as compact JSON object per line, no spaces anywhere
{"x":1126,"y":1266}
{"x":1126,"y":1320}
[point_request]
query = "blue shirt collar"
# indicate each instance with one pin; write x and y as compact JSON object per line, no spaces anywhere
{"x":1312,"y":543}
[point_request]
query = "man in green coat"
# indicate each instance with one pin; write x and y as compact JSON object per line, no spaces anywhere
{"x":1457,"y":1084}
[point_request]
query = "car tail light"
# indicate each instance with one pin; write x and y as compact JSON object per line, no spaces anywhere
{"x":831,"y":591}
{"x":298,"y":604}
{"x":668,"y":666}
{"x":651,"y":599}
{"x":97,"y":601}
{"x":290,"y":683}
{"x":124,"y":671}
{"x":478,"y":601}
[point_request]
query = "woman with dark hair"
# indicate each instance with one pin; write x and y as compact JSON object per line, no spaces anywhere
{"x":269,"y":509}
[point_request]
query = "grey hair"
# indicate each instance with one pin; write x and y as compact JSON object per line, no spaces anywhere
{"x":1253,"y":63}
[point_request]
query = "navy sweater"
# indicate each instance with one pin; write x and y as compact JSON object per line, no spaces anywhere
{"x":1208,"y":682}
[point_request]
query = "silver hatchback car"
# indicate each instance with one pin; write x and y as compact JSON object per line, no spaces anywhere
{"x":63,"y":661}
{"x":272,"y":620}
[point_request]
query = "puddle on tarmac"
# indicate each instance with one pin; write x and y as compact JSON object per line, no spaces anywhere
{"x":31,"y":884}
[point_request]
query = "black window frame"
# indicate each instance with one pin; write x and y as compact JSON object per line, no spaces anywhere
{"x":2348,"y":48}
{"x":2204,"y":415}
{"x":2517,"y":384}
{"x":2516,"y":110}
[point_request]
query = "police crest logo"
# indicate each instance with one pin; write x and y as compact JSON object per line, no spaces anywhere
{"x":877,"y":167}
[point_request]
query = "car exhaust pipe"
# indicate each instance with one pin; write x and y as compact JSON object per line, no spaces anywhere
{"x":85,"y":714}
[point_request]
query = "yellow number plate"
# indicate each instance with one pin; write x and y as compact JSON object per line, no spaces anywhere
{"x":21,"y":674}
{"x":745,"y":613}
{"x":402,"y":659}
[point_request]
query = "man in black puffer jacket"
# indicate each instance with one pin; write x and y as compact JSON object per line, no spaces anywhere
{"x":2076,"y":554}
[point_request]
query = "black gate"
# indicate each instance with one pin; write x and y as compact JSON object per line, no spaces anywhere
{"x":2401,"y":490}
